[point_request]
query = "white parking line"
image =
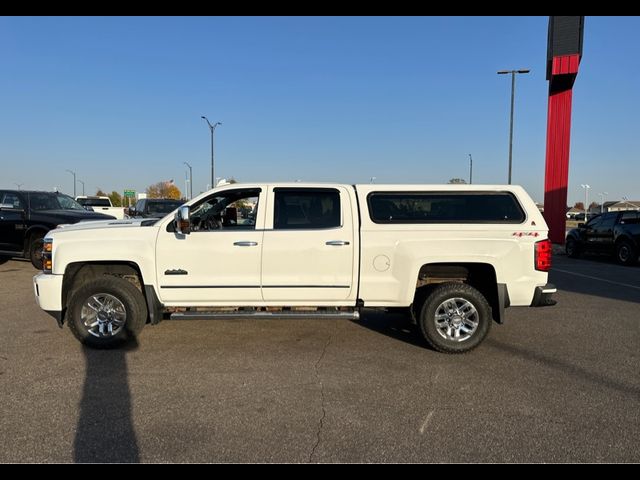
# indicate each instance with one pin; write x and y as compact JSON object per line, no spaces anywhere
{"x":596,"y":278}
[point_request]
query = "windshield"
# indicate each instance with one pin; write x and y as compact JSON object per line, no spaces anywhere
{"x":95,"y":202}
{"x":163,"y":207}
{"x":52,"y":201}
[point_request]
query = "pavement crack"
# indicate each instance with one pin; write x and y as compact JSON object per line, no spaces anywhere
{"x":322,"y":400}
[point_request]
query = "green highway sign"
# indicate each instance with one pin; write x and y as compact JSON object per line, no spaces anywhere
{"x":129,"y":193}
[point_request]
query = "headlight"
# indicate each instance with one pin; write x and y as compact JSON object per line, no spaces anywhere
{"x":47,"y":255}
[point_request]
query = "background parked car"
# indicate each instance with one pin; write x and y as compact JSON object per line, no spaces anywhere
{"x":613,"y":233}
{"x":100,"y":205}
{"x":26,"y":216}
{"x":153,"y":207}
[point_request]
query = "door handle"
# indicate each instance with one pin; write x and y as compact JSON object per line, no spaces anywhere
{"x":245,"y":244}
{"x":337,"y":243}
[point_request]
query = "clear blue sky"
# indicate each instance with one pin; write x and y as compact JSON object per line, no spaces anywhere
{"x":406,"y":100}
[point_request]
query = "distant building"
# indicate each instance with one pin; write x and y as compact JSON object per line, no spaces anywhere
{"x":625,"y":205}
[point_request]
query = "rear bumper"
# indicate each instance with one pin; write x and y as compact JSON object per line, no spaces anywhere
{"x":542,"y":296}
{"x":48,"y":291}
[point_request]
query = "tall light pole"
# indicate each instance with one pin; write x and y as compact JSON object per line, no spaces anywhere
{"x":18,"y":184}
{"x":513,"y":88}
{"x":191,"y":179}
{"x":602,"y":195}
{"x":74,"y":181}
{"x":82,"y":186}
{"x":213,"y":129}
{"x":586,"y":199}
{"x":470,"y":170}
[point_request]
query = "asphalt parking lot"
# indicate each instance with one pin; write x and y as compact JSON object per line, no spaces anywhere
{"x":558,"y":384}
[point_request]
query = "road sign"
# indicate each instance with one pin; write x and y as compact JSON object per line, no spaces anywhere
{"x":130,"y":193}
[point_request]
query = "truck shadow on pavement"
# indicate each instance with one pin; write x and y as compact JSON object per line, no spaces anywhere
{"x":105,"y":431}
{"x":394,"y":325}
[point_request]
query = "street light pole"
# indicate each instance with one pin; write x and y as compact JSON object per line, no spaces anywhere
{"x":18,"y":184}
{"x":470,"y":170}
{"x":82,"y":186}
{"x":602,"y":195}
{"x":74,"y":181}
{"x":212,"y":128}
{"x":191,"y":180}
{"x":513,"y":88}
{"x":586,"y":199}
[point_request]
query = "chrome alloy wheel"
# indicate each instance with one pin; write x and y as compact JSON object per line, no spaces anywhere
{"x":103,"y":315}
{"x":456,"y":319}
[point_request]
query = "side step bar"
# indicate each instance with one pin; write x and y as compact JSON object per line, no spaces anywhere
{"x":264,"y":315}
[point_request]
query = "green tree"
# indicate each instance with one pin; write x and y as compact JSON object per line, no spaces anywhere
{"x":579,"y":206}
{"x":116,"y":199}
{"x":100,"y":193}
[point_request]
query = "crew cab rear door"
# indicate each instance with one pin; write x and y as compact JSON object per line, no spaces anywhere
{"x":310,"y":246}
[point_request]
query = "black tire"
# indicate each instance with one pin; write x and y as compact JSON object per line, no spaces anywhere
{"x":127,"y":294}
{"x":427,"y":319}
{"x":626,"y":253}
{"x":572,"y":249}
{"x":35,"y":249}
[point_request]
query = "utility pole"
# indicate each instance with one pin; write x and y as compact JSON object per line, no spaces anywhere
{"x":602,"y":195}
{"x":513,"y":88}
{"x":190,"y":181}
{"x":470,"y":170}
{"x":212,"y":128}
{"x":74,"y":181}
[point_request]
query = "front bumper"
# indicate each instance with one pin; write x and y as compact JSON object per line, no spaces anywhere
{"x":542,"y":296}
{"x":48,"y":291}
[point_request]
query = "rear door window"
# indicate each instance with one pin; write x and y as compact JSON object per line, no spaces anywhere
{"x":306,"y":208}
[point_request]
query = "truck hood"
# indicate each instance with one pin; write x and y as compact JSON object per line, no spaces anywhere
{"x":105,"y":224}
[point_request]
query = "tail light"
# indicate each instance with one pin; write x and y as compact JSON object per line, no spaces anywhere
{"x":542,"y":256}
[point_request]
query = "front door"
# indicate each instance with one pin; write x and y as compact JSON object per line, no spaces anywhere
{"x":12,"y":221}
{"x":218,"y":263}
{"x":308,"y":247}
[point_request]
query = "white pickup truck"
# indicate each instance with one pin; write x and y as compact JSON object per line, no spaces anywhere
{"x":453,"y":256}
{"x":100,"y":205}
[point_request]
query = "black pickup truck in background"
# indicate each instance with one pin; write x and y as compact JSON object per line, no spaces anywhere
{"x":26,"y":216}
{"x":612,"y":233}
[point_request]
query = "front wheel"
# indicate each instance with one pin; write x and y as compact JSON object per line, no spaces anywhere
{"x":455,"y":318}
{"x":105,"y":312}
{"x":35,"y":250}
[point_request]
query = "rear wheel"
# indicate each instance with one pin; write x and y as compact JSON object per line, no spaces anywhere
{"x":105,"y":312}
{"x":455,"y":318}
{"x":626,"y":253}
{"x":571,"y":247}
{"x":35,"y":249}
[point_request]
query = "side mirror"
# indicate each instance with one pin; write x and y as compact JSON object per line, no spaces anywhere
{"x":183,"y":224}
